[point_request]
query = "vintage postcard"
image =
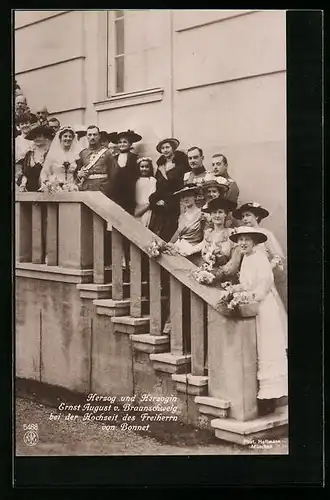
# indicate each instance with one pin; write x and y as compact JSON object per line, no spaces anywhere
{"x":151,"y":232}
{"x":150,"y":176}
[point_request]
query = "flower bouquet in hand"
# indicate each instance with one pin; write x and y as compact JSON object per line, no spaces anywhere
{"x":203,"y":276}
{"x":156,"y":248}
{"x":236,"y":301}
{"x":53,"y":185}
{"x":209,"y":261}
{"x":277,"y":263}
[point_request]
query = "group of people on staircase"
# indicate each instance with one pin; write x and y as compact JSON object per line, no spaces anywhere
{"x":194,"y":209}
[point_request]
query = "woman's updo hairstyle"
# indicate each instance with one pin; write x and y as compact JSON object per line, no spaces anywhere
{"x":64,"y":129}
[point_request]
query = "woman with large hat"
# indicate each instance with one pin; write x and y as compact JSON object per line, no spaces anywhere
{"x":218,"y":187}
{"x":171,"y":167}
{"x":256,"y":277}
{"x":217,"y":248}
{"x":189,"y":235}
{"x":127,"y":172}
{"x":34,"y":159}
{"x":251,"y":214}
{"x":214,"y":187}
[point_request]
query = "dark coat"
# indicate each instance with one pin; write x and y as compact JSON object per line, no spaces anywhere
{"x":164,"y":220}
{"x":31,"y":173}
{"x":124,"y":181}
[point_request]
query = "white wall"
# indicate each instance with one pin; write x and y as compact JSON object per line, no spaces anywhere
{"x":230,"y":97}
{"x":227,"y":92}
{"x":49,"y":59}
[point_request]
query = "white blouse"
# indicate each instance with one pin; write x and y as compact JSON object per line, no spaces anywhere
{"x":122,"y":159}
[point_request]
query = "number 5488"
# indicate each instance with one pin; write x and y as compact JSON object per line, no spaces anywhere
{"x":30,"y":427}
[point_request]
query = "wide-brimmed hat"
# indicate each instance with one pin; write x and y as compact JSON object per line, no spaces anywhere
{"x":188,"y":189}
{"x":104,"y":135}
{"x":129,"y":134}
{"x":111,"y":136}
{"x":255,"y":233}
{"x":37,"y":129}
{"x":253,"y":207}
{"x":26,"y":117}
{"x":219,"y":182}
{"x":175,"y":143}
{"x":217,"y":203}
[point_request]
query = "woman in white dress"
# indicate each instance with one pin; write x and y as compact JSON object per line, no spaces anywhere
{"x":145,"y":186}
{"x":61,"y":161}
{"x":251,"y":214}
{"x":256,"y":276}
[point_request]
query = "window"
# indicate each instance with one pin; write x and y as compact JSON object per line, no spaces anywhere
{"x":136,"y":50}
{"x":119,"y":28}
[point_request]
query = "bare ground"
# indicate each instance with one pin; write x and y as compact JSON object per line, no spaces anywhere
{"x":74,"y":438}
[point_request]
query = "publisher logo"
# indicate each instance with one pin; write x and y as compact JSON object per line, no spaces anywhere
{"x":31,"y":438}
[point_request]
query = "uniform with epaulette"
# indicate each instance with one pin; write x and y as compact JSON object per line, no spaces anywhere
{"x":196,"y":176}
{"x":100,"y":169}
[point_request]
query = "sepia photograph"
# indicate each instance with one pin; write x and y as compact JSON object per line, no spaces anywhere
{"x":150,"y":190}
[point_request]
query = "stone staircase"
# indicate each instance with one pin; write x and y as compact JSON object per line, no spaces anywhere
{"x":155,"y":350}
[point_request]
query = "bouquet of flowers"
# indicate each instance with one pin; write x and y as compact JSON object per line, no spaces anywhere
{"x":53,"y":185}
{"x":234,"y":300}
{"x":210,"y":259}
{"x":277,"y":262}
{"x":156,"y":248}
{"x":203,"y":276}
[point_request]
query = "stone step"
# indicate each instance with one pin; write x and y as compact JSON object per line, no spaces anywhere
{"x":104,"y":291}
{"x":213,"y":406}
{"x":110,"y":307}
{"x":150,"y":343}
{"x":171,"y":363}
{"x":260,"y":431}
{"x":131,"y":325}
{"x":191,"y":384}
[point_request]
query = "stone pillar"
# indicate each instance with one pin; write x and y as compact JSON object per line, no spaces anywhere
{"x":75,"y":236}
{"x":232,"y":363}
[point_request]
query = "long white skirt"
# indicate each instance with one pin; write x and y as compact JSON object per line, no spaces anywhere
{"x":271,"y":344}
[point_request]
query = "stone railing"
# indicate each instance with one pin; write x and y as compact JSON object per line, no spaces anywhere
{"x":89,"y":234}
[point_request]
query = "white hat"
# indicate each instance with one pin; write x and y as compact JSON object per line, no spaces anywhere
{"x":256,"y":233}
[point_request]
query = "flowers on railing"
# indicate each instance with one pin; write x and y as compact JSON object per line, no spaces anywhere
{"x":203,"y":276}
{"x":156,"y":248}
{"x":54,"y":185}
{"x":235,"y":300}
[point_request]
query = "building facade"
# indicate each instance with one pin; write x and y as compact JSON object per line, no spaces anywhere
{"x":215,"y":79}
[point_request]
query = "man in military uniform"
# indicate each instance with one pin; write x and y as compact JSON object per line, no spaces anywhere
{"x":220,"y":169}
{"x":96,"y":166}
{"x":197,"y":173}
{"x":95,"y":172}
